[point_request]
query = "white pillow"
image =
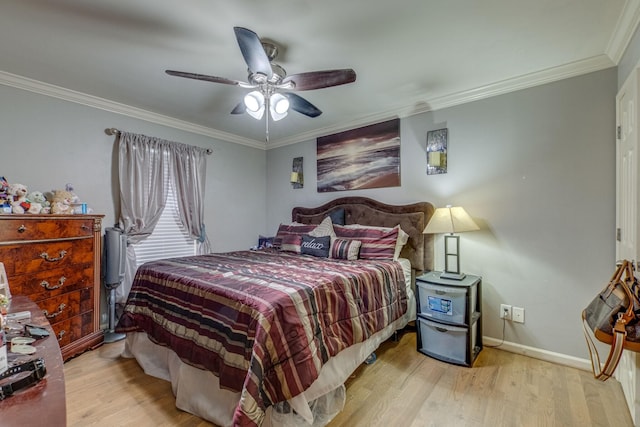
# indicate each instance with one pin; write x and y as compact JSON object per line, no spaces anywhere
{"x":325,"y":228}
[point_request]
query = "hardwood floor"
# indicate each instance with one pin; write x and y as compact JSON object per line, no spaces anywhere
{"x":402,"y":388}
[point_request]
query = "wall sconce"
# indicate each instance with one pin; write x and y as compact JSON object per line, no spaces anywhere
{"x":437,"y":141}
{"x":297,"y":177}
{"x":451,"y":220}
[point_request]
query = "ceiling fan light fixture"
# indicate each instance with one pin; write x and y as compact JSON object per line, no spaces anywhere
{"x":278,"y":106}
{"x":279,"y":103}
{"x":256,"y":114}
{"x":254,"y":101}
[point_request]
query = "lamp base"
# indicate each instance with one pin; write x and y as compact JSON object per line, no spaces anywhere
{"x":452,"y":276}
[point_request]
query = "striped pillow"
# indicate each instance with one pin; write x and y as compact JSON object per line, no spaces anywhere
{"x":289,"y":236}
{"x":345,"y":249}
{"x":376,"y":243}
{"x":403,"y":237}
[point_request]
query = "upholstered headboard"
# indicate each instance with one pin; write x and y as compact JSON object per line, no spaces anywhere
{"x":412,"y":218}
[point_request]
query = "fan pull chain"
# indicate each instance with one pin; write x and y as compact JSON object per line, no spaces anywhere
{"x":266,"y":121}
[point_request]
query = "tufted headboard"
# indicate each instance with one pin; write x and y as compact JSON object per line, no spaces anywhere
{"x":412,"y":218}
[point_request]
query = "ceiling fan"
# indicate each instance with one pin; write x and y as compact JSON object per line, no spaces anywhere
{"x":270,"y":82}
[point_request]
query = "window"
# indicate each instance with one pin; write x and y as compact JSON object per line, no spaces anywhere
{"x":169,"y":239}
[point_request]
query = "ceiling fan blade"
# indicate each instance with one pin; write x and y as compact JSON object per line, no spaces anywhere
{"x":239,"y":109}
{"x":301,"y":105}
{"x":253,"y":52}
{"x":321,"y":79}
{"x":203,"y":77}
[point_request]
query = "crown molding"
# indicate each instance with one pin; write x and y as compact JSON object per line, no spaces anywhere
{"x":417,"y":106}
{"x":624,"y":30}
{"x":65,"y":94}
{"x":526,"y":81}
{"x":422,"y":105}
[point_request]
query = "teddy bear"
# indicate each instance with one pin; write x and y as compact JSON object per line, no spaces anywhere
{"x":38,"y":197}
{"x":19,"y":201}
{"x":61,"y":202}
{"x":18,"y":198}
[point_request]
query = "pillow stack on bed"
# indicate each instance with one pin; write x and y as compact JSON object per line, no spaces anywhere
{"x":350,"y":242}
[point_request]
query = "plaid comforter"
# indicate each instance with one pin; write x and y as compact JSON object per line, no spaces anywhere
{"x":264,"y":322}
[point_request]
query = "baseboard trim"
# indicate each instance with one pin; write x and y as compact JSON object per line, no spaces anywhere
{"x":537,"y":353}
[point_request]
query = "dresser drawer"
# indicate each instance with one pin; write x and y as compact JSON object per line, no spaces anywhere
{"x":449,"y":343}
{"x":49,"y":283}
{"x":22,"y":259}
{"x":26,"y":228}
{"x":65,"y":306}
{"x":70,"y":330}
{"x":447,"y":303}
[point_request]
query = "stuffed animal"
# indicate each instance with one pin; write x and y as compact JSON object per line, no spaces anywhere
{"x":38,"y":197}
{"x":18,"y":198}
{"x":5,"y":204}
{"x":61,"y":202}
{"x":74,"y":198}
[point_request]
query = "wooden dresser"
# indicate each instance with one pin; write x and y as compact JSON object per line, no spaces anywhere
{"x":55,"y":261}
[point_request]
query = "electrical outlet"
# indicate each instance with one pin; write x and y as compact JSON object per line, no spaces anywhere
{"x":505,"y":311}
{"x":518,"y":314}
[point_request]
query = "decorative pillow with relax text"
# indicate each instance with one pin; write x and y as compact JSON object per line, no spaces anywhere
{"x":316,"y":246}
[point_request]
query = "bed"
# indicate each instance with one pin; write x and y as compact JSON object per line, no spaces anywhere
{"x":269,"y":337}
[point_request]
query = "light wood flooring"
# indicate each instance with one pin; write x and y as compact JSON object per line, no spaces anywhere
{"x":402,"y":388}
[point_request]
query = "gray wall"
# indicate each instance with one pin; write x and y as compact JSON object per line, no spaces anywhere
{"x":46,"y":142}
{"x":536,"y":169}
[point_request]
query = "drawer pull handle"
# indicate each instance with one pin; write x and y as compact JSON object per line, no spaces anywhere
{"x":60,"y":335}
{"x":57,"y":313}
{"x":22,"y":229}
{"x":46,"y":256}
{"x":49,"y":287}
{"x":441,"y":329}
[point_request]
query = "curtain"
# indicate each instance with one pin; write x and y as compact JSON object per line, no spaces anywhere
{"x":189,"y":168}
{"x":143,"y":162}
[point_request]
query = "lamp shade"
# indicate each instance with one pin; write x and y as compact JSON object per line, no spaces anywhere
{"x":450,"y":220}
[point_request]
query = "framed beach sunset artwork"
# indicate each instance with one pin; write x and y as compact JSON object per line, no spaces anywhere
{"x":367,"y":157}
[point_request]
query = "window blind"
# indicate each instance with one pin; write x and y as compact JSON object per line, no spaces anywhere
{"x":169,"y":239}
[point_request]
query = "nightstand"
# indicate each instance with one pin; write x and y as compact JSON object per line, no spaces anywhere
{"x":449,"y":321}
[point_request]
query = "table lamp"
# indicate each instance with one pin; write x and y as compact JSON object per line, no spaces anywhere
{"x":451,"y":220}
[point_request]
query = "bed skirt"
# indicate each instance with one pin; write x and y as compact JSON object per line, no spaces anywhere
{"x":198,"y":391}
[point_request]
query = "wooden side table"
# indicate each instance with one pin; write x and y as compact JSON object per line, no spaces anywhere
{"x":43,"y":403}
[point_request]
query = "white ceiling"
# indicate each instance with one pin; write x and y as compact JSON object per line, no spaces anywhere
{"x":410,"y":56}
